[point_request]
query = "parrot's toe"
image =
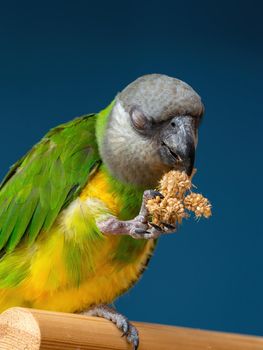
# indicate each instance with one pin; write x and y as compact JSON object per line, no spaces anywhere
{"x":151,"y":233}
{"x":133,"y":336}
{"x":130,"y":333}
{"x":122,"y":323}
{"x":150,"y":194}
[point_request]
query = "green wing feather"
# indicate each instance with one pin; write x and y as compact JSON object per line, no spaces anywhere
{"x":46,"y":180}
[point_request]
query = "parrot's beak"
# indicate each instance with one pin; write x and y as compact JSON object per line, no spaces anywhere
{"x":177,"y":148}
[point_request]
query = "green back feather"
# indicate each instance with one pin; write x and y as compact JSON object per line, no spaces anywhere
{"x":46,"y":180}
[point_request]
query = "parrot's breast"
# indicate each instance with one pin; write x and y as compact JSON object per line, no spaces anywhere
{"x":74,"y":266}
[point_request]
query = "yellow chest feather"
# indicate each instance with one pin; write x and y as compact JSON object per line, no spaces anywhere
{"x":48,"y":284}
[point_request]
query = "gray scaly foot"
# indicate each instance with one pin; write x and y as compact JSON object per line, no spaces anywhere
{"x":139,"y":227}
{"x":122,"y":323}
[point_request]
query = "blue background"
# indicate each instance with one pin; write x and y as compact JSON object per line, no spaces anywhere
{"x":61,"y":59}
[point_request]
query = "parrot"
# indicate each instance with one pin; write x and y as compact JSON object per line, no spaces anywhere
{"x":75,"y":231}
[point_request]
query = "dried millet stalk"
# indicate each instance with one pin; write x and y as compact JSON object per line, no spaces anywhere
{"x":198,"y":204}
{"x":175,"y":184}
{"x":175,"y":187}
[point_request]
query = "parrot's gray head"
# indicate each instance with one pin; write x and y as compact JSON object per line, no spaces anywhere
{"x":152,"y":128}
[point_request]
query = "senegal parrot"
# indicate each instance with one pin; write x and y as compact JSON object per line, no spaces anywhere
{"x":75,"y":232}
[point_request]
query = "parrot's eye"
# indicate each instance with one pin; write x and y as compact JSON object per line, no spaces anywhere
{"x":139,"y":121}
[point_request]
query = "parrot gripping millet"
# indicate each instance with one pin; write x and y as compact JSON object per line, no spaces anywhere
{"x":75,"y":230}
{"x":178,"y":200}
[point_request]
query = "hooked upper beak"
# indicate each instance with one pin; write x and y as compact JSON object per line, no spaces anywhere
{"x":178,"y":144}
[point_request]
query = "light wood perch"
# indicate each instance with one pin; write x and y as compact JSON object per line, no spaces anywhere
{"x":28,"y":329}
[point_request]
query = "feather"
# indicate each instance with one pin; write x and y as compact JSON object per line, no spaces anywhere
{"x":46,"y":180}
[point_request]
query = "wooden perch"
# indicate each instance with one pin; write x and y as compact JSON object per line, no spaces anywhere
{"x":28,"y":329}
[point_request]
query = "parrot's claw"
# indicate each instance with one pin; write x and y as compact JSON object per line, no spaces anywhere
{"x":149,"y":194}
{"x":133,"y":336}
{"x":151,"y":233}
{"x":140,"y":231}
{"x":128,"y":330}
{"x":155,"y":226}
{"x":169,"y":226}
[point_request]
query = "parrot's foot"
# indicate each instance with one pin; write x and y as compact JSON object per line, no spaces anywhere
{"x":122,"y":323}
{"x":139,"y":227}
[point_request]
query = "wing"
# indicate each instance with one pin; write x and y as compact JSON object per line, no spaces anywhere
{"x":46,"y":180}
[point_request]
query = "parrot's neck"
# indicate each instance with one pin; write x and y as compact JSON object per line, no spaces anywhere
{"x":129,"y":197}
